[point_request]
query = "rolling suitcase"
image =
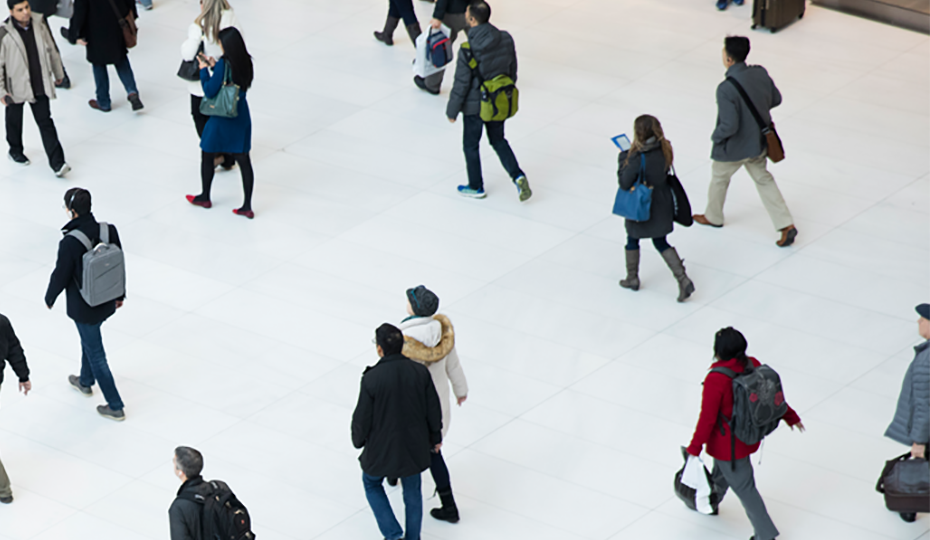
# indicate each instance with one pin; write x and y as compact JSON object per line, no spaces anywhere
{"x":776,"y":14}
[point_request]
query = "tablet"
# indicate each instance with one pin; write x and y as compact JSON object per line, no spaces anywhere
{"x":622,"y":142}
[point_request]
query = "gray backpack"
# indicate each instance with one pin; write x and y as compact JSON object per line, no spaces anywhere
{"x":104,"y":269}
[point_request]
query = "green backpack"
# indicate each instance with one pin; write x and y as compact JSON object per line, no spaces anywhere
{"x":500,"y":98}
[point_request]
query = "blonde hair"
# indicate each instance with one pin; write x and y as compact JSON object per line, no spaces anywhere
{"x":644,"y":128}
{"x":211,"y":14}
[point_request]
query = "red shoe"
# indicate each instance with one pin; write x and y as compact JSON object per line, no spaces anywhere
{"x":246,"y":213}
{"x":204,"y":204}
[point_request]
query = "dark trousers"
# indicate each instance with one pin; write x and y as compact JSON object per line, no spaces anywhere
{"x":741,"y":479}
{"x":437,"y":468}
{"x":402,"y":9}
{"x":94,"y":367}
{"x":42,"y":112}
{"x":660,"y":243}
{"x":471,"y":140}
{"x":207,"y":169}
{"x":200,"y":122}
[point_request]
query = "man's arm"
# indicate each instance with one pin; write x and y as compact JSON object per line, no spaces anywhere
{"x":433,"y":409}
{"x":64,"y":270}
{"x":179,"y":529}
{"x":776,"y":95}
{"x":15,"y":354}
{"x":460,"y":87}
{"x":727,"y":116}
{"x":361,"y":418}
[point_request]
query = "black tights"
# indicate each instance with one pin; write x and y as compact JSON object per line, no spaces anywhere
{"x":207,"y":168}
{"x":437,"y":467}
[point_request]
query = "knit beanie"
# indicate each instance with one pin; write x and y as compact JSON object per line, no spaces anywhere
{"x":423,"y":301}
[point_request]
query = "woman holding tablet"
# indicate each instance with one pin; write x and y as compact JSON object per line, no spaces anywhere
{"x":649,"y":142}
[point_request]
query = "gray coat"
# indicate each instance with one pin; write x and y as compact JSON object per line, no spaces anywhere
{"x":662,"y":211}
{"x":495,"y":53}
{"x":737,"y":135}
{"x":911,"y":422}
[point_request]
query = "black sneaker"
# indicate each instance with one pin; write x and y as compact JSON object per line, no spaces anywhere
{"x":76,"y":383}
{"x":106,"y":412}
{"x":19,"y":157}
{"x":136,"y":102}
{"x":62,"y":170}
{"x":421,"y":84}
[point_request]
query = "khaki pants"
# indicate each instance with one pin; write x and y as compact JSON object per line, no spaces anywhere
{"x":771,"y":197}
{"x":5,"y":490}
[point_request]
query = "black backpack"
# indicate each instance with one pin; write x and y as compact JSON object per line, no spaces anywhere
{"x":223,"y":517}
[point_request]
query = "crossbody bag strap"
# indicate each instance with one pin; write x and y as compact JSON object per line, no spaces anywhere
{"x":119,"y":18}
{"x":752,"y":108}
{"x":642,"y":169}
{"x":472,"y":62}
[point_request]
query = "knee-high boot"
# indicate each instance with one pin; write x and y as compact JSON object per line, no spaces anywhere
{"x":448,"y":512}
{"x":386,"y":36}
{"x":677,"y":266}
{"x":632,"y":270}
{"x":413,"y":30}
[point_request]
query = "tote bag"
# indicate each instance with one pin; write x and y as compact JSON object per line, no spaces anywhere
{"x":635,"y":204}
{"x":225,"y":103}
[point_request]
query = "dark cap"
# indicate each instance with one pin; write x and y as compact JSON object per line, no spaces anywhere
{"x":923,"y":310}
{"x":423,"y":301}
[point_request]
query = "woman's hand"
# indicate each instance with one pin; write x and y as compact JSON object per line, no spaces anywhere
{"x":461,"y":400}
{"x":202,"y":62}
{"x":800,"y":426}
{"x":918,"y":451}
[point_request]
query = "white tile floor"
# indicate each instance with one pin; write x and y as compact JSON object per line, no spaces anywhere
{"x":247,"y":339}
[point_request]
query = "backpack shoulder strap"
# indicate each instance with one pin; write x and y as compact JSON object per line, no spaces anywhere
{"x":752,"y":108}
{"x":104,"y":232}
{"x":82,"y":238}
{"x":726,"y":371}
{"x":472,"y":62}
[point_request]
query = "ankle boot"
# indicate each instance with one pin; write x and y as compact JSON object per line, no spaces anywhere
{"x":632,"y":270}
{"x":677,"y":266}
{"x":413,"y":30}
{"x":387,"y":35}
{"x":448,"y":512}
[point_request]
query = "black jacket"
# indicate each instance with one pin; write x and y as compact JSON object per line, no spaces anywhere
{"x":495,"y":53}
{"x":449,"y":7}
{"x":95,"y":22}
{"x":663,"y":207}
{"x":69,"y":271}
{"x":44,"y":7}
{"x":398,"y":418}
{"x":11,"y":351}
{"x":184,"y":514}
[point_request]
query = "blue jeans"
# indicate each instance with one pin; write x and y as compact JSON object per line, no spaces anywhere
{"x":94,"y":367}
{"x":102,"y":79}
{"x":146,"y":3}
{"x":471,"y":139}
{"x":413,"y":506}
{"x":660,"y":243}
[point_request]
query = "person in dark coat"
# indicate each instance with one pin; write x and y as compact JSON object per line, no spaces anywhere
{"x":397,"y":10}
{"x":227,"y":135}
{"x":911,"y":423}
{"x":11,"y":351}
{"x":649,"y":142}
{"x":184,"y":515}
{"x":95,"y":25}
{"x":48,"y":8}
{"x":67,"y":275}
{"x":452,"y":14}
{"x":398,"y":422}
{"x":495,"y":54}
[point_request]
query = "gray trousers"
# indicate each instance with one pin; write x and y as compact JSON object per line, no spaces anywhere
{"x":5,"y":490}
{"x":456,"y":23}
{"x":743,"y":483}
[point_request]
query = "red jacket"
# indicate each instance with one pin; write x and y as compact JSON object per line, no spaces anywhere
{"x":718,"y":398}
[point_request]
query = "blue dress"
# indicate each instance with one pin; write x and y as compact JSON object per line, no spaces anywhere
{"x":225,"y":135}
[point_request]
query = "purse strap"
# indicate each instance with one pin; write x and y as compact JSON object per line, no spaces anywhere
{"x":116,"y":12}
{"x":752,"y":108}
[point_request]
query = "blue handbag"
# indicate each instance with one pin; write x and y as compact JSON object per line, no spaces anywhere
{"x":636,"y":203}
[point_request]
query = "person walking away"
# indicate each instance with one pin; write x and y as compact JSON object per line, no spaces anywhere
{"x":452,"y":14}
{"x":430,"y":340}
{"x":738,"y":142}
{"x":31,"y":66}
{"x":203,"y":34}
{"x":398,"y":422}
{"x":95,"y":25}
{"x":649,"y":142}
{"x":47,"y":8}
{"x":495,"y":54}
{"x":911,"y":423}
{"x":67,"y":275}
{"x":397,"y":10}
{"x":11,"y":351}
{"x":227,"y":135}
{"x":732,"y":467}
{"x":184,"y":515}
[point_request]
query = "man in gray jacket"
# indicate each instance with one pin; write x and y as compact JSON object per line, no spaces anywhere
{"x":495,"y":54}
{"x":739,"y":142}
{"x":32,"y":67}
{"x":911,"y":424}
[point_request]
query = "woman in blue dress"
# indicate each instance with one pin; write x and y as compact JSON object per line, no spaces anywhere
{"x":227,"y":135}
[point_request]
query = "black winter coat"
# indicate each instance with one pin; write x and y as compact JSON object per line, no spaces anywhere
{"x":184,"y":514}
{"x":449,"y":7}
{"x":495,"y":53}
{"x":398,"y":418}
{"x":69,"y":271}
{"x":44,"y":7}
{"x":11,"y":351}
{"x":662,"y":212}
{"x":95,"y":22}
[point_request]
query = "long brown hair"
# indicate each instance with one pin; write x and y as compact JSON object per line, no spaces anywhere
{"x":211,"y":14}
{"x":644,"y":128}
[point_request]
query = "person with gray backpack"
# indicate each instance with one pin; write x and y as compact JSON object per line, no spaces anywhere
{"x":91,"y":271}
{"x":742,"y":402}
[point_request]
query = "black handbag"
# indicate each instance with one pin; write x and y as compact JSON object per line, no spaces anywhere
{"x":906,"y":484}
{"x":682,"y":206}
{"x":190,"y":69}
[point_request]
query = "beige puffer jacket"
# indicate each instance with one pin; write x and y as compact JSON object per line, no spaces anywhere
{"x":15,"y":81}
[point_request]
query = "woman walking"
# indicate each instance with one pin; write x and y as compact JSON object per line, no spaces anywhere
{"x":397,"y":10}
{"x":650,"y":142}
{"x":203,"y":35}
{"x":227,"y":135}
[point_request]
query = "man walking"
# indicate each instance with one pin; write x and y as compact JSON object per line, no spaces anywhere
{"x":495,"y":54}
{"x":398,"y":422}
{"x":184,"y":515}
{"x":32,"y":67}
{"x":67,"y":275}
{"x":47,"y":8}
{"x":11,"y":351}
{"x":452,"y":14}
{"x":738,"y":141}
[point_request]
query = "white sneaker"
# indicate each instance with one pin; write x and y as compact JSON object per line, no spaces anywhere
{"x":63,"y":170}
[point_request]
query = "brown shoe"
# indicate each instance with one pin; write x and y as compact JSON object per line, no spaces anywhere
{"x":699,"y":218}
{"x":788,"y":234}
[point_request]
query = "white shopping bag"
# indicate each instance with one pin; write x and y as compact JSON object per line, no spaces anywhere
{"x":65,"y":8}
{"x":695,"y":476}
{"x":422,"y":67}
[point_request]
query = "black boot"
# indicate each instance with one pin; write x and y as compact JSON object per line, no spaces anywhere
{"x":413,"y":30}
{"x":448,"y":512}
{"x":386,"y":36}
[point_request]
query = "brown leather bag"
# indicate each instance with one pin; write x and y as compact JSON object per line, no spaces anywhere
{"x":128,"y":25}
{"x":776,"y":151}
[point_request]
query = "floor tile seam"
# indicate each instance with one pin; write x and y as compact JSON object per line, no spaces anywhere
{"x":868,"y":390}
{"x":43,"y":530}
{"x":337,"y":525}
{"x":827,"y":256}
{"x":865,"y":132}
{"x":658,"y":511}
{"x":488,"y":365}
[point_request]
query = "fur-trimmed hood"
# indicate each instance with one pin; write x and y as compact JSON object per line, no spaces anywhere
{"x":415,"y":350}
